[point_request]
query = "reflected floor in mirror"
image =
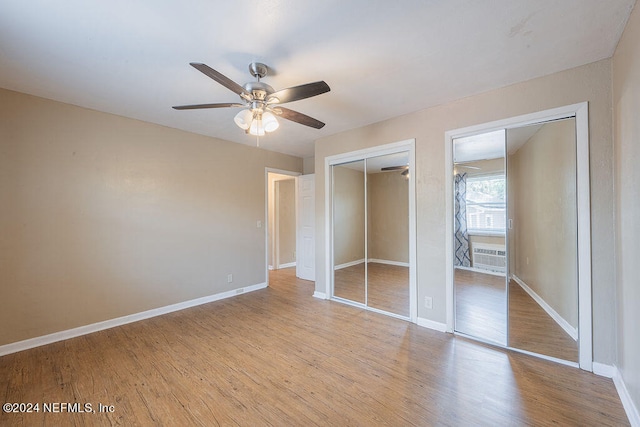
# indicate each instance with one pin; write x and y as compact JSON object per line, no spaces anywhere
{"x":388,"y":286}
{"x":481,"y":305}
{"x":532,"y":329}
{"x":481,"y":312}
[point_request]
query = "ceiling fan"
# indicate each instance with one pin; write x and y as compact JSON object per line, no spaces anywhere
{"x":404,"y":169}
{"x":262,"y":104}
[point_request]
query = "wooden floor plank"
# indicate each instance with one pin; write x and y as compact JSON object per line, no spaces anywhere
{"x":278,"y":357}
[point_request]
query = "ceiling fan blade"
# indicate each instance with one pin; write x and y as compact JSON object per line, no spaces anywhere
{"x":298,"y":92}
{"x":394,"y":168}
{"x":294,"y":116}
{"x":198,"y":106}
{"x":220,"y":78}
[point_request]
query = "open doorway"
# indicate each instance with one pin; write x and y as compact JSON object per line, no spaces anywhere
{"x":281,"y":220}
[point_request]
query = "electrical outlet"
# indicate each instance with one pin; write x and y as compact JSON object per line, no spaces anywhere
{"x":229,"y":278}
{"x":428,"y":302}
{"x":258,"y":224}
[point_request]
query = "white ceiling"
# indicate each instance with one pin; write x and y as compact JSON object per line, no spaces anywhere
{"x":381,"y":58}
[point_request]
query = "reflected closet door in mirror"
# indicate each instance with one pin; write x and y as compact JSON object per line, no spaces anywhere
{"x":543,"y":241}
{"x":349,"y":216}
{"x":480,"y":264}
{"x":388,"y":287}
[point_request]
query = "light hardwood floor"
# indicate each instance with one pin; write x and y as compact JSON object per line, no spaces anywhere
{"x":280,"y":357}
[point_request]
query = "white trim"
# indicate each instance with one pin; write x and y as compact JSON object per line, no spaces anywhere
{"x":561,"y":321}
{"x":119,"y":321}
{"x":486,"y":233}
{"x":436,"y":326}
{"x":389,"y":262}
{"x":545,"y":357}
{"x":581,"y":113}
{"x":275,"y":256}
{"x":270,"y":267}
{"x":583,"y":194}
{"x":349,"y":264}
{"x":627,"y":402}
{"x":611,"y":371}
{"x":320,"y":295}
{"x":287,"y":265}
{"x":607,"y":371}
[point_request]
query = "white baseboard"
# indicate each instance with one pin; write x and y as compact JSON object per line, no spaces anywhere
{"x":426,"y":323}
{"x":612,"y":372}
{"x":348,"y":264}
{"x":627,"y":402}
{"x":320,"y":295}
{"x":270,"y":267}
{"x":573,"y":332}
{"x":119,"y":321}
{"x":388,"y":262}
{"x":287,"y":265}
{"x":603,"y":370}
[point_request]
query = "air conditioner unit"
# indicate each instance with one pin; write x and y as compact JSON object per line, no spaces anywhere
{"x":489,"y":257}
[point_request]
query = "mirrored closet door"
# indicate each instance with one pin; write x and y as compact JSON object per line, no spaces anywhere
{"x":543,"y":239}
{"x":516,"y":238}
{"x":480,"y":261}
{"x":370,"y":217}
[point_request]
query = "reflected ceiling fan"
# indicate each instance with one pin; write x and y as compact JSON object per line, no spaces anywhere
{"x":404,"y":169}
{"x":261,"y":103}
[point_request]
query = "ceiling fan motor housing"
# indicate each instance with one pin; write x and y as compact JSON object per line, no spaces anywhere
{"x":259,"y":90}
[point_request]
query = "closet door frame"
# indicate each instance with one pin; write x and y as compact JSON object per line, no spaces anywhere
{"x":581,"y":113}
{"x":381,"y":150}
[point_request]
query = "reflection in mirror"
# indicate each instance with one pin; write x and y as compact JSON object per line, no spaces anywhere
{"x":388,"y":233}
{"x":543,"y":290}
{"x":479,"y":236}
{"x":349,"y":231}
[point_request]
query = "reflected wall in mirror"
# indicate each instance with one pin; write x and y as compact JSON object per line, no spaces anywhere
{"x":349,"y":231}
{"x":388,"y":233}
{"x":543,"y":260}
{"x":479,"y":236}
{"x":371,"y":232}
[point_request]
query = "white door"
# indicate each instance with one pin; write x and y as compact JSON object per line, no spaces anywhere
{"x":306,"y":242}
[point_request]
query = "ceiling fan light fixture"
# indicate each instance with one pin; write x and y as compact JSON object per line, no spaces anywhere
{"x":244,"y":119}
{"x":256,"y":128}
{"x":269,"y":122}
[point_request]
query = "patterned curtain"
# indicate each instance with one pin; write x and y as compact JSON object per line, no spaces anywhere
{"x":460,"y":226}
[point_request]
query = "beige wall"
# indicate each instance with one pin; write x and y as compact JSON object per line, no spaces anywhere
{"x":590,"y":83}
{"x":542,"y":184}
{"x":388,"y":216}
{"x":286,"y":221}
{"x":104,"y":216}
{"x":626,"y":97}
{"x":349,"y":213}
{"x":309,"y":166}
